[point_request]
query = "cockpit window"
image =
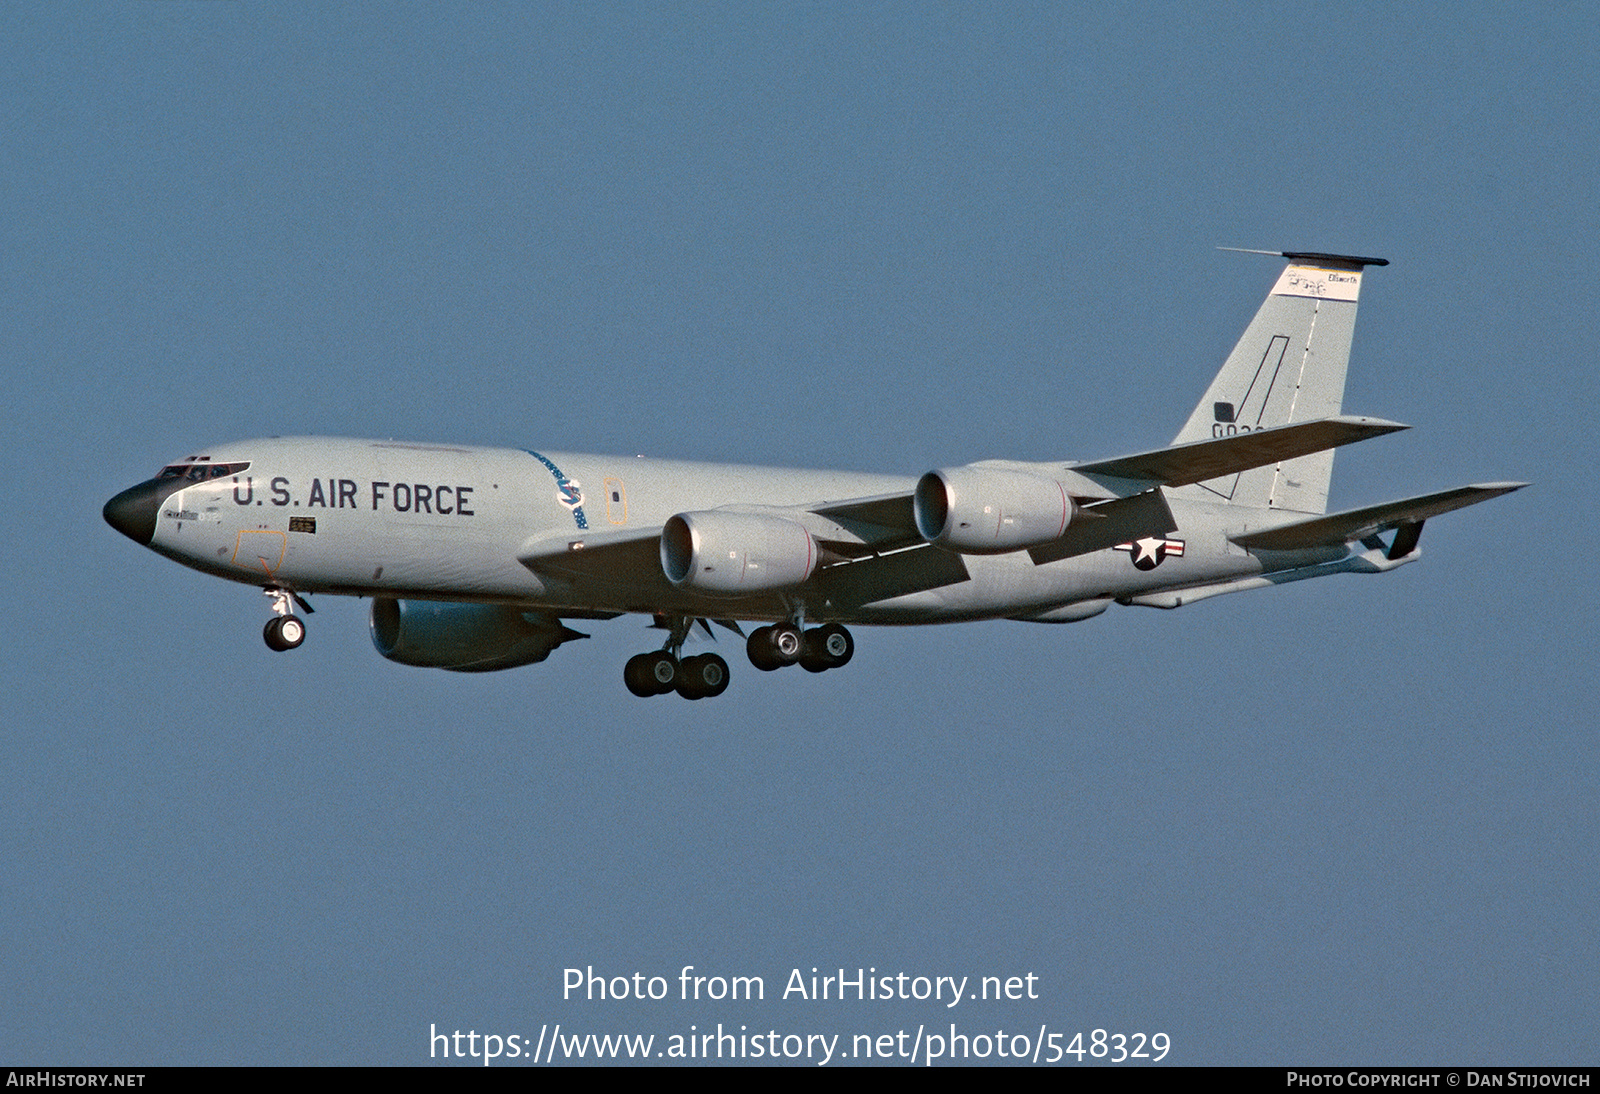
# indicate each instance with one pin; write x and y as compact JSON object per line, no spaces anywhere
{"x":200,"y":472}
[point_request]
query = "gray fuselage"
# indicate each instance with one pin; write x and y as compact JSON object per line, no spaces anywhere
{"x":447,"y":522}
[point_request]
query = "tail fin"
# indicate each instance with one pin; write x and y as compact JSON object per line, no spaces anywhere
{"x":1288,"y":367}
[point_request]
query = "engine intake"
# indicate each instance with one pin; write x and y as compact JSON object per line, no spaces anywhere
{"x":990,"y":511}
{"x":726,"y":554}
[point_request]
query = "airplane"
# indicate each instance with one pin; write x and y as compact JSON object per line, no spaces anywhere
{"x":475,"y":559}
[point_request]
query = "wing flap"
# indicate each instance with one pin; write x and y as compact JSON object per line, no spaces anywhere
{"x":603,"y":554}
{"x":1354,"y":524}
{"x":882,"y":523}
{"x":632,"y":556}
{"x":853,"y":528}
{"x":1211,"y":458}
{"x":1124,"y":519}
{"x":883,"y":577}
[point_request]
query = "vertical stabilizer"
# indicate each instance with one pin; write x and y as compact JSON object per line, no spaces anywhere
{"x":1288,"y":367}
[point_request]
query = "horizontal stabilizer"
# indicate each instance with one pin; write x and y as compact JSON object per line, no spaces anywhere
{"x":1319,"y":257}
{"x":1197,"y":461}
{"x":1354,"y":524}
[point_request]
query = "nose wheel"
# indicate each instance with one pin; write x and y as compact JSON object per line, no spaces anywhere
{"x":285,"y":630}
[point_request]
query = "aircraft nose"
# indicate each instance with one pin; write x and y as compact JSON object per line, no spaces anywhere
{"x":133,"y":512}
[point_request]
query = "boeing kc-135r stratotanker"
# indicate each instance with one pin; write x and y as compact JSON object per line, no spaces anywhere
{"x":475,"y":558}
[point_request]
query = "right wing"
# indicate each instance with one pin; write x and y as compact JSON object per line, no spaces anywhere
{"x":1211,"y":458}
{"x":1355,"y":524}
{"x":870,"y":548}
{"x":876,"y":539}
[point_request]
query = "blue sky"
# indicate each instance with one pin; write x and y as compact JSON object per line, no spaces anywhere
{"x":1344,"y":821}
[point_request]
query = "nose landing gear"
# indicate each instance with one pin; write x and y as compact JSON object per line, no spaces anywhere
{"x":285,"y":630}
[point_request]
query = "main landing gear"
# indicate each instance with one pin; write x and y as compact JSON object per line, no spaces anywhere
{"x":699,"y":677}
{"x":772,"y":647}
{"x":285,"y":630}
{"x":815,"y":650}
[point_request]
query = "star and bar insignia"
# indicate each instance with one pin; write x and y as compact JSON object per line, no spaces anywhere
{"x":1149,"y":552}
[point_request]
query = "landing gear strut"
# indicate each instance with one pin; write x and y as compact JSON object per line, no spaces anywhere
{"x":285,"y":630}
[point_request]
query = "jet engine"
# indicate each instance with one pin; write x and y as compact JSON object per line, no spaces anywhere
{"x":990,"y":511}
{"x":463,"y":637}
{"x":725,"y":554}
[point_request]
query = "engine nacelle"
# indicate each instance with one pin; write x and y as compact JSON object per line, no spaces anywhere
{"x":463,"y":637}
{"x":990,"y":511}
{"x":726,"y":554}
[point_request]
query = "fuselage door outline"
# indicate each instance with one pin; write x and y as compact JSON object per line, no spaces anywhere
{"x":258,"y":553}
{"x":616,"y":501}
